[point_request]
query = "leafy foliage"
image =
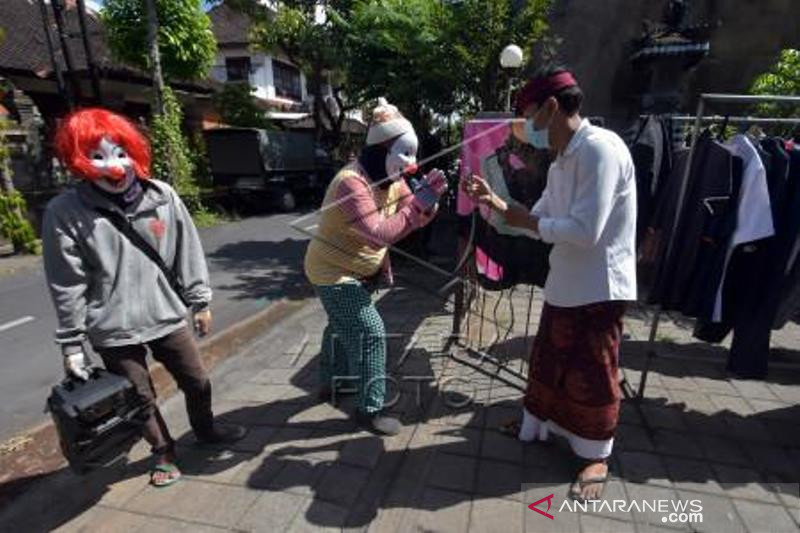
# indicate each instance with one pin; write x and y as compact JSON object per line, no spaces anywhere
{"x":427,"y":57}
{"x":303,"y":30}
{"x":434,"y":55}
{"x":172,"y":160}
{"x":13,"y":208}
{"x":478,"y":32}
{"x":782,"y":79}
{"x":186,"y":42}
{"x":438,"y":55}
{"x":200,"y":161}
{"x":237,"y":107}
{"x":13,"y":224}
{"x":397,"y":49}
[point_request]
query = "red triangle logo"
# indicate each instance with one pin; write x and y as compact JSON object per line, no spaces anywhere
{"x":549,"y":499}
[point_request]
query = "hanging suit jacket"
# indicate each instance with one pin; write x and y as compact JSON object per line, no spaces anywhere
{"x":707,"y":221}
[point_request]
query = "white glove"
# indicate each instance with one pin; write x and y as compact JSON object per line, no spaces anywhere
{"x":77,"y":365}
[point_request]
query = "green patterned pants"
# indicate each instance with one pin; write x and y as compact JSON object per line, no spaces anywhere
{"x":354,"y":343}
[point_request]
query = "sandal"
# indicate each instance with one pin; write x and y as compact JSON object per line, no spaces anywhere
{"x":510,"y":428}
{"x":576,"y":490}
{"x":171,"y":477}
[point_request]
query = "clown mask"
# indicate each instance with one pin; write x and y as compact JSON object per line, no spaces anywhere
{"x":402,"y":155}
{"x":114,"y":166}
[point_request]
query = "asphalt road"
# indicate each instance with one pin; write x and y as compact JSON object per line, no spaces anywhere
{"x":252,"y":263}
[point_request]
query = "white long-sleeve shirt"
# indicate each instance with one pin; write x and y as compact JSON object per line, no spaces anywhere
{"x":588,"y":212}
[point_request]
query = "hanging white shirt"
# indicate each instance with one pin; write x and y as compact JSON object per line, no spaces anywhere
{"x":754,"y":212}
{"x":588,"y":213}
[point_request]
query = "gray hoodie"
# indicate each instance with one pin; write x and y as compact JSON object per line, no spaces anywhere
{"x":105,"y":288}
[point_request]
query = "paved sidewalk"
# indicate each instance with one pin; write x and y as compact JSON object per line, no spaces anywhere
{"x":14,"y":264}
{"x":734,"y":445}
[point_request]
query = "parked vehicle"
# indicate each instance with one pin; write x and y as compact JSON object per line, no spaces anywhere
{"x":264,"y":167}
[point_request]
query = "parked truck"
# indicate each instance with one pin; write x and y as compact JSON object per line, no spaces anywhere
{"x":263,"y":168}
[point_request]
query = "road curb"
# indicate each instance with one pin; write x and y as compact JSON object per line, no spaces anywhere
{"x":34,"y":454}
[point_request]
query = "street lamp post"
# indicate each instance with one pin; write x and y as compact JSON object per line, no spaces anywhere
{"x":511,"y":59}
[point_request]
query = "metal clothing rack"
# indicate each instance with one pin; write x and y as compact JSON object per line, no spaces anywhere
{"x":468,"y":291}
{"x":733,"y":119}
{"x":698,"y":119}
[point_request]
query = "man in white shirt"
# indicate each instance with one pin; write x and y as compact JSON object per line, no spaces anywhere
{"x":588,"y":213}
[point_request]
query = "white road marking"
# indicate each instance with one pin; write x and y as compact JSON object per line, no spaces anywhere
{"x":15,"y":323}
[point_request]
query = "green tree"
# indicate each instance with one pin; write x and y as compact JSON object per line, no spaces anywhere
{"x":237,"y":107}
{"x":428,"y":57}
{"x":14,"y":224}
{"x":13,"y":209}
{"x":173,"y":36}
{"x":172,"y":158}
{"x":398,"y":49}
{"x":186,"y":43}
{"x":478,"y":32}
{"x":305,"y":32}
{"x":437,"y":57}
{"x":783,"y":78}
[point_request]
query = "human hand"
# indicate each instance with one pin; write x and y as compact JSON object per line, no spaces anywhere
{"x":202,"y":322}
{"x":479,"y":190}
{"x":436,"y":181}
{"x":77,"y":365}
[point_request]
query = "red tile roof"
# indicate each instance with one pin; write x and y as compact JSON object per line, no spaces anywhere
{"x":24,"y":47}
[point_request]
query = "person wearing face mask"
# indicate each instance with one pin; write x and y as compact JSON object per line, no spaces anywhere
{"x":108,"y":292}
{"x":367,"y":207}
{"x":588,"y":213}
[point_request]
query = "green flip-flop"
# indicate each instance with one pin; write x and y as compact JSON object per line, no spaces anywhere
{"x":168,"y":468}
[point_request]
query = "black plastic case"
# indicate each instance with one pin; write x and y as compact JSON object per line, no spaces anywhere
{"x":98,"y":420}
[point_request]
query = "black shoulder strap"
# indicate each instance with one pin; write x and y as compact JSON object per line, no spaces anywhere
{"x":137,"y":240}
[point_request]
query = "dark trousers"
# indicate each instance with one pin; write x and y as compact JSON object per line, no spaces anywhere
{"x":749,"y":310}
{"x":179,"y":355}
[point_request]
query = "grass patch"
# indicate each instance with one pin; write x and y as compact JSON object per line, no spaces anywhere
{"x":208,"y":218}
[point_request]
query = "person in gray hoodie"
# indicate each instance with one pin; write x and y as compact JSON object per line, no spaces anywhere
{"x":108,"y":292}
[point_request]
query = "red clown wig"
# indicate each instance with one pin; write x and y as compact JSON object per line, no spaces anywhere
{"x":80,"y":133}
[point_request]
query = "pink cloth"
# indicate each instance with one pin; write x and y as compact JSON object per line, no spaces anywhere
{"x":481,"y":139}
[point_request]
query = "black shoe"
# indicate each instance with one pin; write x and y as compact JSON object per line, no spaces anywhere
{"x":222,"y":434}
{"x":379,"y":423}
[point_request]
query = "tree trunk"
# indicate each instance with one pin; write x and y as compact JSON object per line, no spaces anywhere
{"x":315,"y":83}
{"x":155,"y":57}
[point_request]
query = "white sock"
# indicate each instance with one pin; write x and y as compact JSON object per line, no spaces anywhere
{"x":529,"y":429}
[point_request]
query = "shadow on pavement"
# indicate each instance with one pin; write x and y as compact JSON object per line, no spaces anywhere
{"x":264,"y":269}
{"x":451,"y":452}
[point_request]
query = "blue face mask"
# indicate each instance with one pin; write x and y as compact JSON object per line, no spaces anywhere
{"x":539,"y":139}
